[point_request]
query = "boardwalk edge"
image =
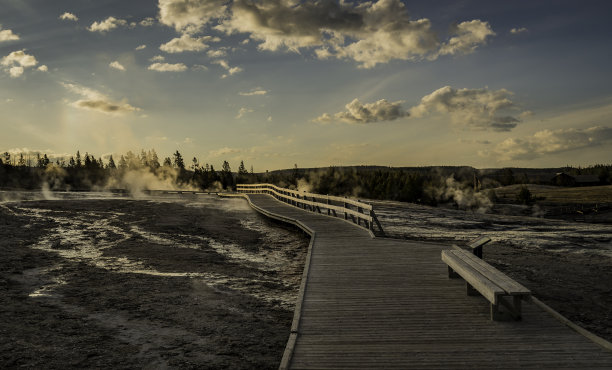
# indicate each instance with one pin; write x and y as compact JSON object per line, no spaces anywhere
{"x":297,"y":313}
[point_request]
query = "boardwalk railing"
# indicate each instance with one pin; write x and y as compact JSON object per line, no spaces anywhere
{"x":354,"y":210}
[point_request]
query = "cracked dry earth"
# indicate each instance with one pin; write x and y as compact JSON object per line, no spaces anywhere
{"x":165,"y":282}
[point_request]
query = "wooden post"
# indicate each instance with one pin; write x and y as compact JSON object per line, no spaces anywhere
{"x":327,"y":202}
{"x":345,"y":214}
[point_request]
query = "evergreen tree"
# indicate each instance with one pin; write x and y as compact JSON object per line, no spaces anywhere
{"x":242,"y":169}
{"x":111,"y":162}
{"x":122,"y":163}
{"x":178,"y":161}
{"x":78,"y":160}
{"x":167,"y":162}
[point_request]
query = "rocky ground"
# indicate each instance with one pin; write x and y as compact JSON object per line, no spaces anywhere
{"x":154,"y":283}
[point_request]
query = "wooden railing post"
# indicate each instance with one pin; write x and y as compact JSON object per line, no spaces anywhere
{"x":345,"y":214}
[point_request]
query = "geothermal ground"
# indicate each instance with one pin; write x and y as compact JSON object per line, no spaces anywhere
{"x":95,"y":280}
{"x":185,"y":281}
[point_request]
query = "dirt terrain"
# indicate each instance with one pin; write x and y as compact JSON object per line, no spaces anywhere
{"x":119,"y":283}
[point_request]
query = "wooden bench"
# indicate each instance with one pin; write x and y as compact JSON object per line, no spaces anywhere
{"x":495,"y":286}
{"x":476,"y":245}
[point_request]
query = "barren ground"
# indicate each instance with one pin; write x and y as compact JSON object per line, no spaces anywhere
{"x":120,"y":283}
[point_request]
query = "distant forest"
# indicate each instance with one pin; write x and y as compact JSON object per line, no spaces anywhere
{"x":145,"y":171}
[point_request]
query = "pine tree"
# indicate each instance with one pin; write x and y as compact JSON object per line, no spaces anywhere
{"x":78,"y":160}
{"x":111,"y":162}
{"x":241,"y":169}
{"x":178,"y":160}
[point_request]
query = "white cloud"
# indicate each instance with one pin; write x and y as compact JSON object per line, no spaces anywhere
{"x":477,"y":108}
{"x":141,"y":47}
{"x":242,"y":112}
{"x":467,"y":37}
{"x":17,"y":61}
{"x":189,"y":15}
{"x":16,"y":71}
{"x":157,"y":58}
{"x":43,"y":68}
{"x":106,"y":25}
{"x":96,"y":101}
{"x":515,"y":31}
{"x":199,"y":67}
{"x":223,"y":151}
{"x":7,"y":35}
{"x":116,"y":65}
{"x":68,"y":17}
{"x":185,"y":43}
{"x":230,"y":70}
{"x":168,"y":67}
{"x":257,"y":91}
{"x":547,"y":142}
{"x":147,"y":22}
{"x":219,"y":53}
{"x":358,"y":112}
{"x":366,"y":32}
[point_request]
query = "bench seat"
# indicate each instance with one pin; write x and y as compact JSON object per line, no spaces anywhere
{"x":485,"y":279}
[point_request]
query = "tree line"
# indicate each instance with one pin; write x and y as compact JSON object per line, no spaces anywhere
{"x":409,"y":184}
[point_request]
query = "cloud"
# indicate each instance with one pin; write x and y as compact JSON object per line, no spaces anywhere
{"x":230,"y":70}
{"x":219,"y":53}
{"x":477,"y":108}
{"x":467,"y":37}
{"x":106,"y":25}
{"x":189,"y":16}
{"x":547,"y":142}
{"x":147,"y":22}
{"x":16,"y":71}
{"x":96,"y":101}
{"x":253,"y":92}
{"x":199,"y":67}
{"x":186,"y":43}
{"x":242,"y":112}
{"x":68,"y":17}
{"x":358,"y":112}
{"x":223,"y":151}
{"x":515,"y":31}
{"x":43,"y":68}
{"x":7,"y":35}
{"x":157,"y":58}
{"x":17,"y":61}
{"x":168,"y":67}
{"x":116,"y":65}
{"x":369,"y":33}
{"x":141,"y":47}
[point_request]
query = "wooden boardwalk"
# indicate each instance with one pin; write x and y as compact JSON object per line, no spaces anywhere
{"x":381,"y":303}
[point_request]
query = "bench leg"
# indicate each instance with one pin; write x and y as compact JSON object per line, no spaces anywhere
{"x":452,"y":274}
{"x":495,"y":314}
{"x":512,"y":310}
{"x":470,"y":290}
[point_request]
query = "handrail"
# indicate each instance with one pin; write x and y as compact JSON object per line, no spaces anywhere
{"x":360,"y":213}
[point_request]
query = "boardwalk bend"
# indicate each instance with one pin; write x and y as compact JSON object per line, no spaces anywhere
{"x":370,"y":302}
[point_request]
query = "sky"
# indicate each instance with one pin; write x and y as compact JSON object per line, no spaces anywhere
{"x":314,"y":83}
